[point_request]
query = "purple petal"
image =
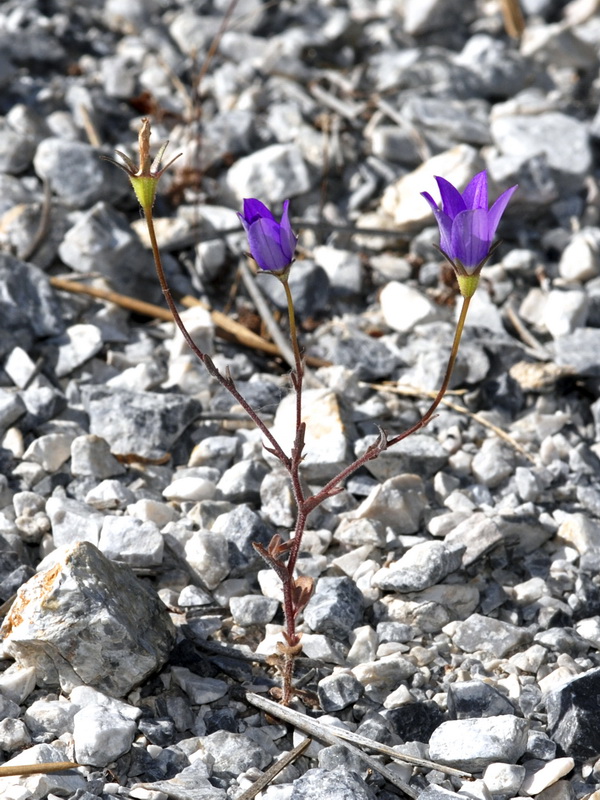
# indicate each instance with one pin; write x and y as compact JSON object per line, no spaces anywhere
{"x":430,"y":200}
{"x":476,"y":193}
{"x":288,"y":238}
{"x":265,"y":245}
{"x":444,"y":224}
{"x":470,"y":237}
{"x":243,"y":221}
{"x":452,"y":202}
{"x":496,"y":211}
{"x":255,"y":210}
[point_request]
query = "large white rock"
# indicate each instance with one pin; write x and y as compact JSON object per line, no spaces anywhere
{"x":401,"y":200}
{"x":88,"y":621}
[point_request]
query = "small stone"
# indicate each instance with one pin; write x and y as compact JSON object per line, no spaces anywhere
{"x":75,"y":621}
{"x":364,"y":643}
{"x":78,"y":176}
{"x":29,"y":307}
{"x":11,"y":408}
{"x":363,"y":532}
{"x":335,"y":784}
{"x":241,"y":483}
{"x":192,"y":596}
{"x":335,"y":607}
{"x":338,"y":691}
{"x":207,"y":554}
{"x":489,"y":635}
{"x":398,"y":503}
{"x":323,"y":648}
{"x":419,"y":455}
{"x":504,"y":780}
{"x":473,"y":744}
{"x":326,"y":440}
{"x":469,"y":699}
{"x":415,"y":722}
{"x":572,"y":715}
{"x":541,"y":779}
{"x":343,"y":269}
{"x":478,"y":533}
{"x":77,"y":345}
{"x":383,"y":675}
{"x":49,"y":785}
{"x":90,"y":455}
{"x":13,"y":735}
{"x":31,"y":518}
{"x":214,"y":451}
{"x":423,"y":565}
{"x":142,"y":423}
{"x":252,"y":610}
{"x":580,"y":532}
{"x":17,"y":683}
{"x":525,"y":136}
{"x":8,"y":709}
{"x":240,"y":528}
{"x":565,"y":311}
{"x":47,"y":720}
{"x":72,"y":521}
{"x":457,"y":165}
{"x":233,"y":753}
{"x":403,"y":307}
{"x":190,"y":489}
{"x":493,"y":463}
{"x":19,"y":367}
{"x":104,"y":729}
{"x":109,"y":495}
{"x":274,"y":173}
{"x":200,"y":690}
{"x":580,"y":260}
{"x":277,"y":499}
{"x":151,"y":511}
{"x":131,"y":541}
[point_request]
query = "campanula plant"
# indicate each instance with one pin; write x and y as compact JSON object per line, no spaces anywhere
{"x":467,"y":228}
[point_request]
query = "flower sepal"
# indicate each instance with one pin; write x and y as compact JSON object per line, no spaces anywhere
{"x":144,"y":176}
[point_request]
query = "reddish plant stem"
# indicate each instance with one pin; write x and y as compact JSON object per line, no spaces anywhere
{"x":225,"y":380}
{"x":383,"y":443}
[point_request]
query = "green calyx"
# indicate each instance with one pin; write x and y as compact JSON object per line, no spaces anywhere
{"x":144,"y":187}
{"x":468,"y":284}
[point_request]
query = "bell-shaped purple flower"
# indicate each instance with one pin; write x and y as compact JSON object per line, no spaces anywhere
{"x":272,"y":244}
{"x":467,"y":226}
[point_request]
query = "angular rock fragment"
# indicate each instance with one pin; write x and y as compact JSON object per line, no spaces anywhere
{"x":88,"y":621}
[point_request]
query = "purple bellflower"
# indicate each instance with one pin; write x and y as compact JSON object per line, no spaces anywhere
{"x":467,"y":226}
{"x":272,"y":244}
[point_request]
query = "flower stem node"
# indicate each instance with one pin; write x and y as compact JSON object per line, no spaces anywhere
{"x":467,"y":226}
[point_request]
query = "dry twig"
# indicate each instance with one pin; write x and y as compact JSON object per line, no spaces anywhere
{"x":274,"y":770}
{"x":333,"y":735}
{"x":225,"y":327}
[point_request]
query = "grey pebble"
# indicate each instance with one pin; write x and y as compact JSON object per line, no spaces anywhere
{"x":335,"y":784}
{"x":335,"y":607}
{"x":473,"y":744}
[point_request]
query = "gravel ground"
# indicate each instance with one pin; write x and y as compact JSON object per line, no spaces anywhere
{"x":456,"y":616}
